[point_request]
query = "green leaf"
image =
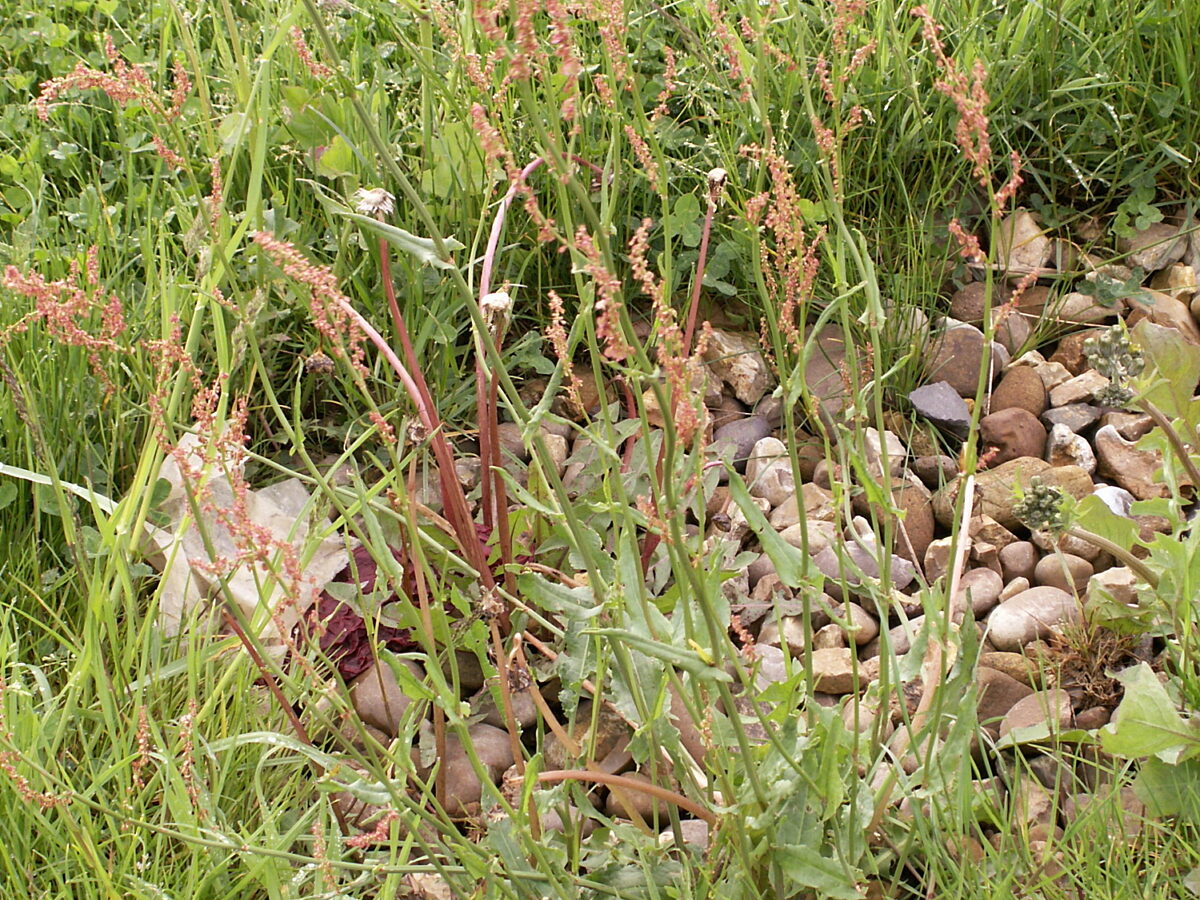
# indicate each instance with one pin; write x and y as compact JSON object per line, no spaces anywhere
{"x":805,"y":866}
{"x":1170,"y":790}
{"x":1092,"y":514}
{"x":576,"y":602}
{"x":8,"y":493}
{"x":790,"y":564}
{"x":688,"y":660}
{"x":1172,"y":369}
{"x":1147,"y":722}
{"x":336,"y":159}
{"x":423,"y":249}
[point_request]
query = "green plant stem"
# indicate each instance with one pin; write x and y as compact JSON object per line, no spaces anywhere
{"x":1117,"y":551}
{"x":1173,"y":438}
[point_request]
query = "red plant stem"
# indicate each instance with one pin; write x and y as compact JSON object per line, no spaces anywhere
{"x":620,"y":781}
{"x":493,"y":496}
{"x":694,"y":305}
{"x":389,"y":290}
{"x":452,"y":494}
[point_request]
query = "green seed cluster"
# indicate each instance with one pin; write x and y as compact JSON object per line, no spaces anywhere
{"x":1041,"y":508}
{"x":1114,"y":355}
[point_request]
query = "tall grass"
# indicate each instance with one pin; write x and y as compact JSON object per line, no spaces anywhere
{"x":138,"y":765}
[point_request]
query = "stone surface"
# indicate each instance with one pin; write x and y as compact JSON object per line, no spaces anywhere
{"x":1051,"y":707}
{"x":1070,"y":351}
{"x":1066,"y":448}
{"x":820,"y":535}
{"x":1032,"y":614}
{"x":1155,"y":247}
{"x":886,"y":450}
{"x":1080,"y":389}
{"x":587,"y":401}
{"x":1018,"y":560}
{"x":1178,"y":280}
{"x":693,"y":832}
{"x":860,"y":562}
{"x":937,"y":558}
{"x":1020,"y":388}
{"x":863,"y":627}
{"x":1163,"y":309}
{"x":736,"y":360}
{"x":1128,"y":425}
{"x":1119,"y":582}
{"x":1082,"y":309}
{"x":995,"y":489}
{"x":739,"y":437}
{"x":1133,"y":469}
{"x":956,"y":358}
{"x":1115,"y":498}
{"x":631,"y":804}
{"x":769,"y":471}
{"x":1014,"y":665}
{"x":1012,"y":433}
{"x":1021,"y":244}
{"x":463,"y":787}
{"x":1014,"y":587}
{"x":967,"y":303}
{"x":916,"y":530}
{"x":728,"y":409}
{"x":823,"y":369}
{"x":556,"y":449}
{"x":1064,"y":571}
{"x":1075,"y":416}
{"x":377,"y":697}
{"x":935,"y":471}
{"x":1052,"y":375}
{"x":998,"y":693}
{"x":831,"y":636}
{"x":833,"y":670}
{"x":818,"y":506}
{"x":980,"y":588}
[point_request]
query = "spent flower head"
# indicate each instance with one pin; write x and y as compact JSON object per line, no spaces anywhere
{"x":1117,"y":358}
{"x":374,"y":202}
{"x":1041,"y":508}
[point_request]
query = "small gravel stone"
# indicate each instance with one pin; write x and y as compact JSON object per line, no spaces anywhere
{"x":1032,"y":614}
{"x":1063,"y":571}
{"x":1020,"y":388}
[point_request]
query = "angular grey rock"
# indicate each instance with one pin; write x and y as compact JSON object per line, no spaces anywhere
{"x":941,"y":404}
{"x":1075,"y":416}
